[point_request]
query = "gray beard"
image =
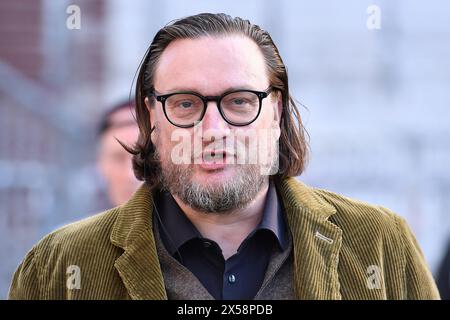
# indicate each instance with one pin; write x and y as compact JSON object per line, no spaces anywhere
{"x":228,"y":196}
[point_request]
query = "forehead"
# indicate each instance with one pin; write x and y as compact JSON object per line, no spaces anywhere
{"x":122,"y":115}
{"x":127,"y":133}
{"x":211,"y":65}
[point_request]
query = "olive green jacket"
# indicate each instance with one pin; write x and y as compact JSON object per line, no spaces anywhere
{"x":343,"y":249}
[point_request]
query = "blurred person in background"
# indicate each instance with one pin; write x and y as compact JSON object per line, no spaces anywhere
{"x":113,"y":161}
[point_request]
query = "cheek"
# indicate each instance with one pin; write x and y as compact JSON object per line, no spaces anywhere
{"x":162,"y":139}
{"x":265,"y":132}
{"x":161,"y":126}
{"x":267,"y":116}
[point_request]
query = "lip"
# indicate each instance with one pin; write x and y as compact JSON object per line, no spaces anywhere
{"x":212,"y":163}
{"x":212,"y":166}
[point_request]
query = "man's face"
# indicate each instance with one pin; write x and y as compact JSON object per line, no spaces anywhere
{"x":114,"y":161}
{"x":212,"y":66}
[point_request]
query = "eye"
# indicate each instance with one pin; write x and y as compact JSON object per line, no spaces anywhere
{"x":185,"y":104}
{"x":239,"y":101}
{"x":236,"y":101}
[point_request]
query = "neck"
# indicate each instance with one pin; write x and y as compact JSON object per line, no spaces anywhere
{"x":231,"y":228}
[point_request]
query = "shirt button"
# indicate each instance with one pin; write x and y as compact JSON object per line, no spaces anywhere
{"x":207,"y":244}
{"x":231,"y":278}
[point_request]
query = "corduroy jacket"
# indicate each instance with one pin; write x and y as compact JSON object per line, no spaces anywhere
{"x":342,"y":248}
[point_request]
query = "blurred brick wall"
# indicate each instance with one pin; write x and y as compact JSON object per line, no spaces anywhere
{"x":48,"y":105}
{"x":20,"y":34}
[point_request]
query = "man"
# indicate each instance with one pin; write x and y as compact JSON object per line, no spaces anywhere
{"x":113,"y":161}
{"x":220,"y":215}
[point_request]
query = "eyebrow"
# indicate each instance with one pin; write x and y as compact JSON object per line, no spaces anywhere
{"x":228,"y":89}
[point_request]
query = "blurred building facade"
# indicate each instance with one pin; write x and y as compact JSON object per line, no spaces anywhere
{"x":49,"y":82}
{"x":378,"y":104}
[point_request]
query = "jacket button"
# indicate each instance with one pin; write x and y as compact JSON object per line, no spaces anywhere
{"x":231,"y":278}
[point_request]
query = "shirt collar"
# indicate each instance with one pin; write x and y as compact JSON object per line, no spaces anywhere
{"x":273,"y":217}
{"x":176,"y":229}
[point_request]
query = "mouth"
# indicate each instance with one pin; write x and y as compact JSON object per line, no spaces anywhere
{"x":214,"y":160}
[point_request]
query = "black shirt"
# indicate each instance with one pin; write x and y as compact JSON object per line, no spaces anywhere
{"x":241,"y":275}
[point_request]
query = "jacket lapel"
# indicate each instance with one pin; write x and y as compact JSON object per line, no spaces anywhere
{"x":138,"y":266}
{"x":317,"y":241}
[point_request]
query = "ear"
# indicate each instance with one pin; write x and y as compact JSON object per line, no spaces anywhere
{"x":150,"y":109}
{"x":102,"y":164}
{"x":148,"y":105}
{"x":151,"y":112}
{"x":279,"y":108}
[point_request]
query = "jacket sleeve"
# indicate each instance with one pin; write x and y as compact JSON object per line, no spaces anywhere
{"x":419,"y":282}
{"x":25,"y":282}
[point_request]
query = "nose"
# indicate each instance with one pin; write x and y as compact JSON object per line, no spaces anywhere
{"x":214,"y":122}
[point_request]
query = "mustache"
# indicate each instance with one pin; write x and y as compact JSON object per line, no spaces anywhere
{"x":217,"y":149}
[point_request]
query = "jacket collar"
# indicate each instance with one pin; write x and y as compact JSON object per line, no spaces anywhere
{"x":138,"y":266}
{"x":317,"y":242}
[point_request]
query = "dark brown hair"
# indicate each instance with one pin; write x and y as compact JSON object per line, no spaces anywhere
{"x":293,"y":147}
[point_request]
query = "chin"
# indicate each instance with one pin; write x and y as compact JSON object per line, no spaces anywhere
{"x":213,"y":176}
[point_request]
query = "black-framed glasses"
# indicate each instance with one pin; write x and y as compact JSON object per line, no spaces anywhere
{"x":238,"y":107}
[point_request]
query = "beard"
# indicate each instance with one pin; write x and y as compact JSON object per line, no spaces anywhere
{"x":219,"y":197}
{"x":234,"y":193}
{"x":231,"y":194}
